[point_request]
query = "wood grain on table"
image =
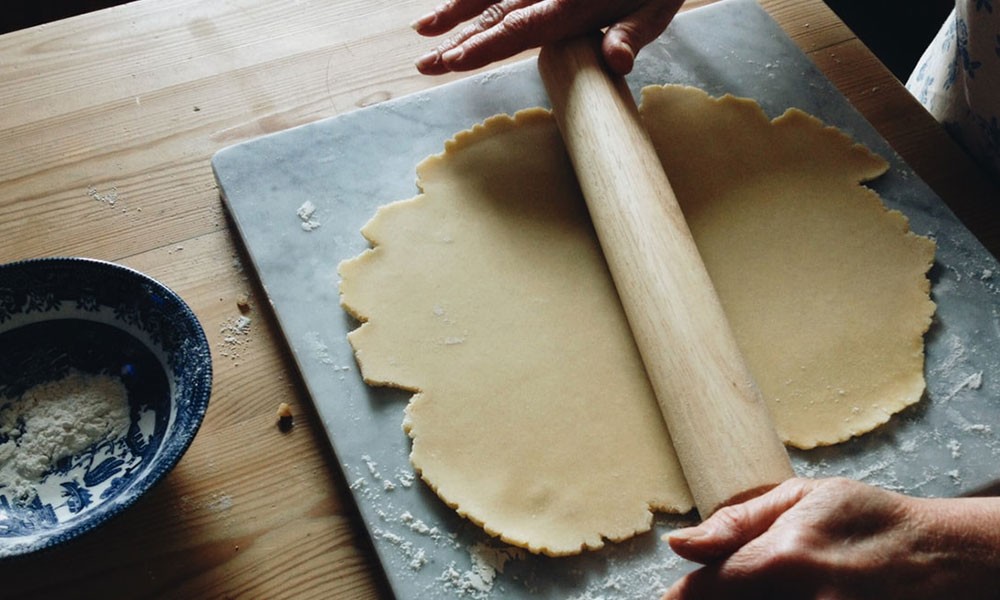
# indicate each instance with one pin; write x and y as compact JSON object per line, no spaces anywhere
{"x":108,"y":124}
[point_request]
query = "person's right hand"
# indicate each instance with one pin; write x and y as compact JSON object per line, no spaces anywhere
{"x":836,"y":538}
{"x":498,"y":29}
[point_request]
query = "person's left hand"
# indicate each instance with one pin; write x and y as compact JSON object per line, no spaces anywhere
{"x":498,"y":29}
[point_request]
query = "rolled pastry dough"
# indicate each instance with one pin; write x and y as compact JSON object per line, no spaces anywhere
{"x":825,"y":289}
{"x":488,"y":297}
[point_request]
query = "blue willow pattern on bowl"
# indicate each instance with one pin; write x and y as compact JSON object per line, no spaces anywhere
{"x":61,"y":315}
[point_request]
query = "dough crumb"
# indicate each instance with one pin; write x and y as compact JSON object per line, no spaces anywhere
{"x":243,"y":303}
{"x":305,"y":213}
{"x":284,"y":414}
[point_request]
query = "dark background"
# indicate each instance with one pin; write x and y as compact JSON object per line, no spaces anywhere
{"x":897,"y":31}
{"x":18,"y":14}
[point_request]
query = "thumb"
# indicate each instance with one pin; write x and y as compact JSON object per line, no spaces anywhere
{"x":732,"y":527}
{"x":623,"y":40}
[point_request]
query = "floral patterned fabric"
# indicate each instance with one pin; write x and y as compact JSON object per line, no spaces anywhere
{"x":958,"y":79}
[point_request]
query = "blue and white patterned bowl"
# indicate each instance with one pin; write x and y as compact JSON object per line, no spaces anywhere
{"x":59,"y":315}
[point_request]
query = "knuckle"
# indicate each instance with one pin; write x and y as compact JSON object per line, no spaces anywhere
{"x":493,"y":14}
{"x":516,"y":22}
{"x":449,"y":43}
{"x":732,"y":518}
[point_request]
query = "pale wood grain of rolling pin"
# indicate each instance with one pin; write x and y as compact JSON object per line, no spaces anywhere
{"x":722,"y":432}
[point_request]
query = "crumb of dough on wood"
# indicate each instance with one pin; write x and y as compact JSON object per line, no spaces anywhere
{"x":243,"y":303}
{"x":284,"y":415}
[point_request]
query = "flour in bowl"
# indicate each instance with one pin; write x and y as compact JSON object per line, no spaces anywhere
{"x":55,"y":420}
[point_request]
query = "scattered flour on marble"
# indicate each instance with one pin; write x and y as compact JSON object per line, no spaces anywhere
{"x":416,"y":525}
{"x":374,"y":481}
{"x":645,"y":583}
{"x":648,"y":579}
{"x":478,"y":580}
{"x":972,"y":382}
{"x":448,"y":565}
{"x":414,"y":555}
{"x":372,"y":467}
{"x":416,"y":542}
{"x":812,"y":469}
{"x":419,"y":560}
{"x":53,"y":421}
{"x":318,"y":349}
{"x":320,"y":352}
{"x":880,"y":473}
{"x":411,"y":538}
{"x":955,"y":357}
{"x":405,"y":478}
{"x":955,"y":447}
{"x":492,"y":77}
{"x":451,"y":567}
{"x":306,"y":212}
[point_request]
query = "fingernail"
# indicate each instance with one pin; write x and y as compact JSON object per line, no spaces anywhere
{"x":688,"y":534}
{"x":452,"y":55}
{"x":621,"y":58}
{"x":626,"y":48}
{"x":424,"y":21}
{"x":428,"y":60}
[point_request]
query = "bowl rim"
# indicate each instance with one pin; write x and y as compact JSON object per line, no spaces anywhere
{"x":182,"y":438}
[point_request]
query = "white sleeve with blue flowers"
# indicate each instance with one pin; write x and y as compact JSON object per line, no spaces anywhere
{"x":958,"y":79}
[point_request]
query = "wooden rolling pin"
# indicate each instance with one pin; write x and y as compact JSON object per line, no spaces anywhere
{"x":721,"y":429}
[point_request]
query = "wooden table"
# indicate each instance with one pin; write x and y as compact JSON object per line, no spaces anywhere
{"x":107,"y":125}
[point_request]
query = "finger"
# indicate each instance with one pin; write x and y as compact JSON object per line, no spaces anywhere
{"x":449,"y":55}
{"x":623,"y":40}
{"x":526,"y":27}
{"x":732,"y":527}
{"x":492,"y":17}
{"x":432,"y":63}
{"x":446,"y":16}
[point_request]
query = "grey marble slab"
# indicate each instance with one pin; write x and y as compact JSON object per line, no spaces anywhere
{"x":348,"y":165}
